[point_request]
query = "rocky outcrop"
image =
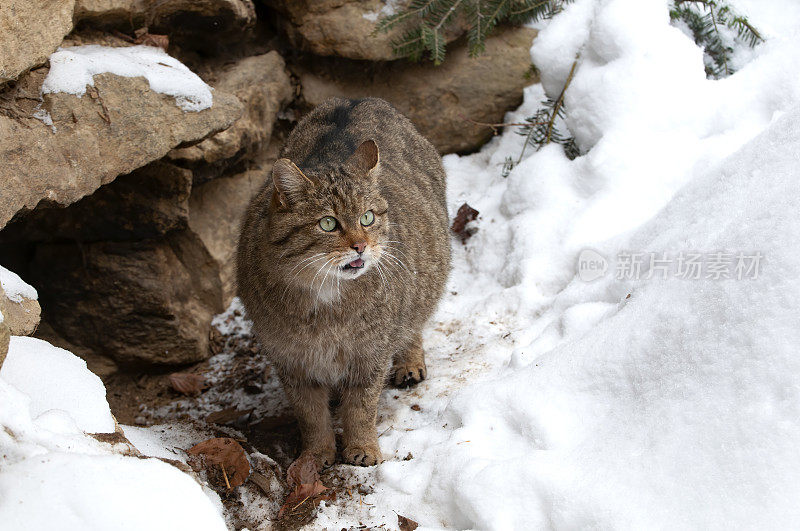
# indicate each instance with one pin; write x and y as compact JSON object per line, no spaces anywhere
{"x":440,"y":101}
{"x":117,"y":127}
{"x":29,"y":32}
{"x":264,"y":87}
{"x":157,"y":295}
{"x":342,"y":28}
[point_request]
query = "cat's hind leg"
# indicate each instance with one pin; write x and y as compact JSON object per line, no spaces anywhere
{"x":408,"y":366}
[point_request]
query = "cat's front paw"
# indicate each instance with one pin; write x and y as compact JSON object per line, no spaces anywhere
{"x":324,"y":456}
{"x":406,"y":374}
{"x":362,"y":455}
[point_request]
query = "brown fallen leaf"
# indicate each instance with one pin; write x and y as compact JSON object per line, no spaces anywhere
{"x":303,"y":478}
{"x":187,"y":383}
{"x":228,"y":415}
{"x":225,"y":455}
{"x":406,"y":524}
{"x":464,"y":215}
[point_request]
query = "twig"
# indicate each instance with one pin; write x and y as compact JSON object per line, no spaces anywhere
{"x":299,"y":504}
{"x":225,"y":475}
{"x":560,"y":100}
{"x":496,"y":126}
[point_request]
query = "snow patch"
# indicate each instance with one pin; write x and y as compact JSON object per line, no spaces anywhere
{"x":388,"y":9}
{"x":54,"y":378}
{"x":73,"y":68}
{"x":78,"y":492}
{"x":55,"y":476}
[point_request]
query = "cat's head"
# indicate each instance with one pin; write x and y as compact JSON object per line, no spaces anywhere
{"x":329,"y":225}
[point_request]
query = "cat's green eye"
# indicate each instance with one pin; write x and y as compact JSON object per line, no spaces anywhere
{"x":328,"y":223}
{"x":367,"y":218}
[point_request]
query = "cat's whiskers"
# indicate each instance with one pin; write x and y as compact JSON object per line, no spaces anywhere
{"x":311,"y":261}
{"x":298,"y":264}
{"x":387,"y":252}
{"x":326,"y":267}
{"x":380,"y":272}
{"x":396,"y":248}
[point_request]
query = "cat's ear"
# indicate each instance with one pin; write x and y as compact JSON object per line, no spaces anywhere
{"x":290,"y":182}
{"x":365,"y":159}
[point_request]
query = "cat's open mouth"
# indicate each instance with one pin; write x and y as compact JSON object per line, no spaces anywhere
{"x":356,"y":264}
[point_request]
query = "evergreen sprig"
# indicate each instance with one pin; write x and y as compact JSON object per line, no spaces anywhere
{"x":704,"y":19}
{"x":542,"y":128}
{"x":426,"y":22}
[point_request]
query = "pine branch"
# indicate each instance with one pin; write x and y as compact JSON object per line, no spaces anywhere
{"x":426,"y":22}
{"x":704,"y":19}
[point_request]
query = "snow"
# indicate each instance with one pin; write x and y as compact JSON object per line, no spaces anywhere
{"x":15,"y":288}
{"x":388,"y":9}
{"x":54,"y":475}
{"x":81,"y":492}
{"x":56,"y":379}
{"x":631,"y":401}
{"x":73,"y":68}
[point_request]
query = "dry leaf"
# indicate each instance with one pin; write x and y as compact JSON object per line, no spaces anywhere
{"x":464,"y":215}
{"x":228,"y":455}
{"x":302,"y":470}
{"x":261,"y":482}
{"x":406,"y":524}
{"x":227,"y":416}
{"x":187,"y":383}
{"x":303,"y":477}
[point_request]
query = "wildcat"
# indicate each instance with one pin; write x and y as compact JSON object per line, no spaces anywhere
{"x":342,"y":258}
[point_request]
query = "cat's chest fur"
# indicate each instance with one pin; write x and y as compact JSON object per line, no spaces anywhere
{"x":342,"y":339}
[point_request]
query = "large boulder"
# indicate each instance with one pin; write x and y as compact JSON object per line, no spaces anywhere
{"x":146,"y":302}
{"x":442,"y":101}
{"x":29,"y":32}
{"x":263,"y":86}
{"x":115,"y":128}
{"x":343,"y":28}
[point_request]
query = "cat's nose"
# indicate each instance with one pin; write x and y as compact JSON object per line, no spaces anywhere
{"x":359,"y":246}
